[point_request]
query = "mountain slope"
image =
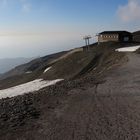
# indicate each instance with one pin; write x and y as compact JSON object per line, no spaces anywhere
{"x":32,"y":66}
{"x":90,"y":105}
{"x":65,"y":65}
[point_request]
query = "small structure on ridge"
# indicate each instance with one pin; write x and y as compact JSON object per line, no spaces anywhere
{"x":117,"y":36}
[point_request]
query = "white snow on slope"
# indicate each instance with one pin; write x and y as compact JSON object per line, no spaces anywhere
{"x":128,"y":49}
{"x":47,"y":69}
{"x":28,"y":72}
{"x":26,"y":88}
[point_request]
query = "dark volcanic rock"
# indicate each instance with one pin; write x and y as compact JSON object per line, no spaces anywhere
{"x":15,"y":111}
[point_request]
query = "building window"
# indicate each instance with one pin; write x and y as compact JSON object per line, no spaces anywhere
{"x":126,"y":39}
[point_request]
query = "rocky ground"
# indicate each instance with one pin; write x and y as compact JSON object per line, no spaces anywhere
{"x":105,"y":106}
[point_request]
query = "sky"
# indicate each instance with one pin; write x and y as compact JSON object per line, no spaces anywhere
{"x":32,"y":28}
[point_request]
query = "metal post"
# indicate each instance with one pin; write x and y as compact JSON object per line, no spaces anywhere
{"x":86,"y":41}
{"x":88,"y":44}
{"x":97,"y":35}
{"x":87,"y":38}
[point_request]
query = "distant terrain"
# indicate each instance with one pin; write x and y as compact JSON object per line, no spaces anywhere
{"x":9,"y":63}
{"x":30,"y":70}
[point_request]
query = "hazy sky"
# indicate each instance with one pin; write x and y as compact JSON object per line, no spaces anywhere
{"x":38,"y":27}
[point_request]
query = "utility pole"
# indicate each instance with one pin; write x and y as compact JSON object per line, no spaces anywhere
{"x":98,"y":38}
{"x":87,"y":38}
{"x":86,"y":41}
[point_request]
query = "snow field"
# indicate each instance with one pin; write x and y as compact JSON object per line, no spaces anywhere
{"x":26,"y":88}
{"x":128,"y":49}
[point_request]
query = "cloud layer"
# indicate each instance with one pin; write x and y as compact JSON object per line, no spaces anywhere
{"x":129,"y":12}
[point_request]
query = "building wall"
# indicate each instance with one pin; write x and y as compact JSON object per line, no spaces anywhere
{"x":108,"y":37}
{"x":136,"y":38}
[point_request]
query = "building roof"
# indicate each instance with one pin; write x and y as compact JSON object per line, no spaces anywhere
{"x":114,"y":32}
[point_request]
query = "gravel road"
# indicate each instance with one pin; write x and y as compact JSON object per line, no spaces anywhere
{"x":108,"y":111}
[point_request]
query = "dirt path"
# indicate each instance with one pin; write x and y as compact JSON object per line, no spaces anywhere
{"x":109,"y":112}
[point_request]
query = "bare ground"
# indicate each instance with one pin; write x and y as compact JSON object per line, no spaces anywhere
{"x":97,"y":111}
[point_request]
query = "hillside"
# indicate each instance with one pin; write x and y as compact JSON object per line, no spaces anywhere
{"x":32,"y":65}
{"x":65,"y":65}
{"x":100,"y":88}
{"x":27,"y":72}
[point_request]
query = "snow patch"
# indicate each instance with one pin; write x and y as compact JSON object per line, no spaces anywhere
{"x":128,"y":49}
{"x":28,"y":72}
{"x":26,"y":88}
{"x":47,"y":69}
